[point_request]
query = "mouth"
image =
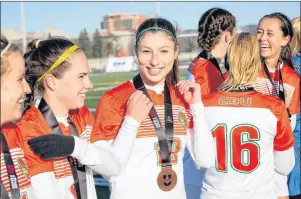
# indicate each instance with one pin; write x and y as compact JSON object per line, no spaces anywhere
{"x":155,"y":71}
{"x":264,"y":47}
{"x":82,"y":95}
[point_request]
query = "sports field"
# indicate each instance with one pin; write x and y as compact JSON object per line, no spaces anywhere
{"x":105,"y":81}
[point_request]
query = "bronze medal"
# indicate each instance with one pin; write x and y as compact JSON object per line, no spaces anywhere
{"x":167,"y":179}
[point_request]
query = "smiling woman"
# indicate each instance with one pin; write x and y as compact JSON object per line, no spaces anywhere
{"x":131,"y":115}
{"x":277,"y":76}
{"x":13,"y":90}
{"x":59,"y":70}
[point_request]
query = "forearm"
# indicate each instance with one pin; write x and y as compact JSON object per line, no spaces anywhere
{"x":98,"y":155}
{"x":202,"y":142}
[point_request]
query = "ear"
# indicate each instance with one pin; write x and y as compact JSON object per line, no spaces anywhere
{"x":50,"y":82}
{"x":285,"y":40}
{"x":228,"y":37}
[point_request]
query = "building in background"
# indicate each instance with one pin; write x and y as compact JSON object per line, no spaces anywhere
{"x":122,"y":21}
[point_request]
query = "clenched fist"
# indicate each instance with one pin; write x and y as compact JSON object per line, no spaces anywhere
{"x":138,"y":106}
{"x":190,"y":90}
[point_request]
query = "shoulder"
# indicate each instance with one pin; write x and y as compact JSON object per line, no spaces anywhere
{"x":121,"y":92}
{"x":32,"y":123}
{"x":290,"y":73}
{"x":198,"y":65}
{"x":12,"y":135}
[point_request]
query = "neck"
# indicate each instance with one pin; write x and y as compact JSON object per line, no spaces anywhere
{"x":150,"y":83}
{"x":218,"y":52}
{"x":3,"y":119}
{"x":57,"y":107}
{"x":271,"y":62}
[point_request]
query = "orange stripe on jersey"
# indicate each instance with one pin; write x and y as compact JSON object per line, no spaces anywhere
{"x":207,"y":75}
{"x":284,"y":137}
{"x":32,"y":124}
{"x":291,"y":83}
{"x":111,"y":110}
{"x":15,"y":145}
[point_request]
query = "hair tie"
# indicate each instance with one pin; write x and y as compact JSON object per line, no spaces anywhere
{"x":5,"y":49}
{"x":37,"y":43}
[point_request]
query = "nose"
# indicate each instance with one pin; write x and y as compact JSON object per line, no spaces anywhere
{"x":89,"y":84}
{"x":262,"y":37}
{"x":154,"y":60}
{"x":26,"y":87}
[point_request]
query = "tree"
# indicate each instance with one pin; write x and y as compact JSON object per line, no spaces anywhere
{"x":84,"y":43}
{"x":98,"y":45}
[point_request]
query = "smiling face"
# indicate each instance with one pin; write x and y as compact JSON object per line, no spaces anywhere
{"x":13,"y":88}
{"x":75,"y":83}
{"x":271,"y":38}
{"x":156,"y":52}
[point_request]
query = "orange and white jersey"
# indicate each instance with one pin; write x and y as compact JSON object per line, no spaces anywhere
{"x":205,"y":73}
{"x":291,"y":84}
{"x":138,"y":178}
{"x":53,"y":178}
{"x":248,"y":127}
{"x":15,"y":145}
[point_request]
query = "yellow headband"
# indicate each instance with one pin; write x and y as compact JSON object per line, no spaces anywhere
{"x":62,"y":58}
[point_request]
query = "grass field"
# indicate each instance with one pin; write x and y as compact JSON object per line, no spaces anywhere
{"x":106,"y":81}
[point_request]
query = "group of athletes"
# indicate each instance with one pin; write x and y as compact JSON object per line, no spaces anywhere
{"x":229,"y":131}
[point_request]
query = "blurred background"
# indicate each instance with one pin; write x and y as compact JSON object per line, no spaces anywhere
{"x":106,"y":32}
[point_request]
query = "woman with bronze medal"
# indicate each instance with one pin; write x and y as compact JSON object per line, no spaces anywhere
{"x":278,"y":77}
{"x":150,"y":119}
{"x":14,"y":179}
{"x":252,"y":131}
{"x":59,"y":71}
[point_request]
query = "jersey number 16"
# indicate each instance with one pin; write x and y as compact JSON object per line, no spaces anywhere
{"x":242,"y":147}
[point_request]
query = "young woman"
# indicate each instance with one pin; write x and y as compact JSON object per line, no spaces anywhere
{"x":217,"y":28}
{"x":252,"y":131}
{"x":153,"y":144}
{"x":16,"y":185}
{"x":59,"y":71}
{"x":278,"y":77}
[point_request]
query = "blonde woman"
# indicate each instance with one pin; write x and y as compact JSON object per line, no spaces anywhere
{"x":294,"y":176}
{"x":253,"y":136}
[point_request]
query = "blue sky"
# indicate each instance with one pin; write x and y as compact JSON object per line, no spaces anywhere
{"x":71,"y":17}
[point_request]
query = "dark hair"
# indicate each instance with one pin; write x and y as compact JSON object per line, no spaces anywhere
{"x":39,"y":57}
{"x":173,"y":76}
{"x":211,"y":26}
{"x":4,"y":62}
{"x":287,"y":30}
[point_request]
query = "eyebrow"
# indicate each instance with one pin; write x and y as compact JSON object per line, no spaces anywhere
{"x":82,"y":74}
{"x":159,"y":48}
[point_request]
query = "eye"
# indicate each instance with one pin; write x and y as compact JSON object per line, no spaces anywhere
{"x":164,"y":51}
{"x":146,"y":51}
{"x":270,"y":34}
{"x":81,"y":77}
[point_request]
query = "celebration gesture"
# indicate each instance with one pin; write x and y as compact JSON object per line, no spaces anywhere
{"x":190,"y":90}
{"x":138,"y":106}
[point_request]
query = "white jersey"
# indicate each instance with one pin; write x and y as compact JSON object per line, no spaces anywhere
{"x":247,"y":127}
{"x":141,"y":167}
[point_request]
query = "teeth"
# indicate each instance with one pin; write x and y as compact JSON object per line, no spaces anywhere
{"x":155,"y":69}
{"x":82,"y":95}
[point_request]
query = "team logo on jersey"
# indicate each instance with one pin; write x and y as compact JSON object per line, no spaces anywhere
{"x":22,"y":167}
{"x":182,"y":119}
